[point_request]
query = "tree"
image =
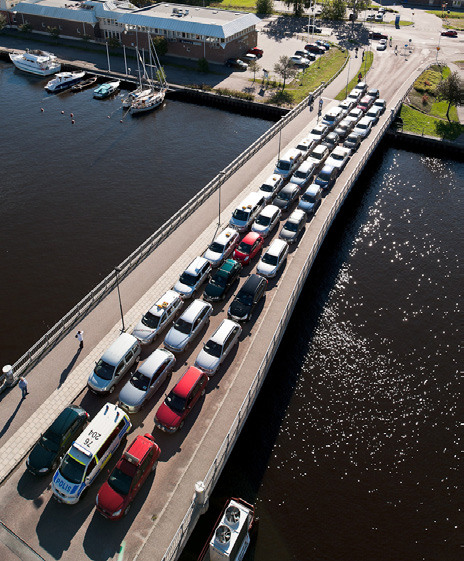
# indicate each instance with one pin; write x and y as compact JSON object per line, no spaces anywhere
{"x":264,"y":6}
{"x":450,"y":90}
{"x":25,"y":27}
{"x":203,"y":65}
{"x":113,"y":42}
{"x":2,"y":21}
{"x":54,"y":32}
{"x":285,"y":69}
{"x":298,"y":6}
{"x":161,"y":45}
{"x":357,"y":6}
{"x":254,"y":67}
{"x":333,"y":9}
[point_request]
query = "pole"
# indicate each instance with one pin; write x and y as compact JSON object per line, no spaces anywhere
{"x":348,"y":77}
{"x":108,"y":57}
{"x":125,"y":60}
{"x":117,"y":270}
{"x":280,"y":137}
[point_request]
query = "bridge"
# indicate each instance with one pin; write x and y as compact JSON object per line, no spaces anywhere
{"x":167,"y":508}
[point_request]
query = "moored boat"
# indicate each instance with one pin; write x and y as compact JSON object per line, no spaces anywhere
{"x":63,"y":81}
{"x":231,"y":535}
{"x":106,"y":89}
{"x":84,"y":84}
{"x":36,"y":62}
{"x":140,"y":91}
{"x":147,"y":102}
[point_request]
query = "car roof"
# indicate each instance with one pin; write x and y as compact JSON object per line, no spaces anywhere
{"x":119,"y":348}
{"x":276,"y":247}
{"x":306,"y":165}
{"x":327,"y":168}
{"x":137,"y":451}
{"x":194,"y":309}
{"x":153,"y":362}
{"x":166,"y":300}
{"x":320,"y":148}
{"x":313,"y":189}
{"x":252,"y":283}
{"x":364,"y":121}
{"x":269,"y":210}
{"x":226,"y":234}
{"x":65,"y":419}
{"x":225,"y":327}
{"x":251,"y":237}
{"x":227,"y":266}
{"x":340,"y":149}
{"x":185,"y":384}
{"x":289,"y":188}
{"x":296,"y":215}
{"x":196,"y":265}
{"x":380,"y":101}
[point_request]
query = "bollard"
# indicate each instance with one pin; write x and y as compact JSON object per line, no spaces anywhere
{"x":8,"y":375}
{"x":200,"y":497}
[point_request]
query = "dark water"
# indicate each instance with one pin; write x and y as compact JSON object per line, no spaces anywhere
{"x":75,"y":200}
{"x":351,"y":451}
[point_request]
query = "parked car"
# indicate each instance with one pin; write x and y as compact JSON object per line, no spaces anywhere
{"x":381,"y":47}
{"x":287,"y":196}
{"x":188,"y":326}
{"x":222,"y":247}
{"x":115,"y":496}
{"x":146,"y":380}
{"x":171,"y":415}
{"x":365,"y":103}
{"x":376,"y":35}
{"x":222,"y":280}
{"x":311,"y":199}
{"x":193,"y":277}
{"x":322,"y":43}
{"x":319,"y":155}
{"x":373,"y":92}
{"x":449,"y":33}
{"x":331,"y":140}
{"x":380,"y":103}
{"x":294,"y":226}
{"x":346,"y":106}
{"x":247,"y":298}
{"x":333,"y":117}
{"x":379,"y":17}
{"x":318,"y":133}
{"x":314,"y":48}
{"x":271,"y":186}
{"x":370,"y":17}
{"x":273,"y":259}
{"x":157,"y":317}
{"x":374,"y":114}
{"x":352,"y":142}
{"x":248,"y":248}
{"x":303,"y":174}
{"x":305,"y":145}
{"x":300,"y":61}
{"x":362,"y":87}
{"x":326,"y":177}
{"x":266,"y":220}
{"x":218,"y":346}
{"x":56,"y":440}
{"x":363,"y":127}
{"x":354,"y":115}
{"x":249,"y":57}
{"x":338,"y":158}
{"x":344,"y":128}
{"x":236,"y":63}
{"x":255,"y":51}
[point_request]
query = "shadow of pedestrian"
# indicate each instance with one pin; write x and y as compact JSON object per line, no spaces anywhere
{"x":10,"y":420}
{"x":68,"y":368}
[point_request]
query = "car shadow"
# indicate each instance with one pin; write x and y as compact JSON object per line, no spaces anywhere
{"x":31,"y":487}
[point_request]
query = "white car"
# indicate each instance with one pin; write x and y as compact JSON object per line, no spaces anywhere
{"x":363,"y":128}
{"x":355,"y":114}
{"x":319,"y":155}
{"x":300,"y":61}
{"x":374,"y":114}
{"x":218,"y":346}
{"x":222,"y":247}
{"x":380,"y":103}
{"x":193,"y":276}
{"x":273,"y":259}
{"x":338,"y":158}
{"x":266,"y":220}
{"x":271,"y":186}
{"x":318,"y":133}
{"x":157,"y":317}
{"x":188,"y":326}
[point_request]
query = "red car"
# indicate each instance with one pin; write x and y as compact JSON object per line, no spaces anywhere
{"x":250,"y":246}
{"x":115,"y":496}
{"x":179,"y":402}
{"x":255,"y":51}
{"x":450,"y":33}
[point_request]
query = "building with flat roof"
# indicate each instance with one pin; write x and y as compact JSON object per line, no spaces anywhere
{"x":190,"y":32}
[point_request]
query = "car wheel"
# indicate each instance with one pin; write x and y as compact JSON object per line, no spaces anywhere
{"x":111,"y":389}
{"x":181,"y":425}
{"x":55,"y":464}
{"x":127,"y":509}
{"x":154,"y":466}
{"x":203,"y":391}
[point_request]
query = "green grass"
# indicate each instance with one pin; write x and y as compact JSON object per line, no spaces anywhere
{"x":368,"y":60}
{"x":235,"y":5}
{"x":445,"y":15}
{"x":418,"y":123}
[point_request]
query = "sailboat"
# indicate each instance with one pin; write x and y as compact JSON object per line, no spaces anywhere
{"x":151,"y":95}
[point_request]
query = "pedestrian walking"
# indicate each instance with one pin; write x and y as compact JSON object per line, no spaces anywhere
{"x":23,"y":386}
{"x":80,"y":338}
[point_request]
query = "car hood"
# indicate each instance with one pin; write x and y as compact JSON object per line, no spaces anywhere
{"x":238,"y":310}
{"x":176,"y":339}
{"x":40,"y":458}
{"x":260,"y":229}
{"x":266,"y":269}
{"x":214,"y":291}
{"x":184,"y":288}
{"x":131,"y":396}
{"x":98,"y":383}
{"x":212,"y":256}
{"x":239,"y":256}
{"x":166,"y":416}
{"x":286,"y":235}
{"x":109,"y":500}
{"x":205,"y":361}
{"x":142,"y":332}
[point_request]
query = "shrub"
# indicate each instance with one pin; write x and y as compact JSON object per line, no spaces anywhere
{"x":425,"y":99}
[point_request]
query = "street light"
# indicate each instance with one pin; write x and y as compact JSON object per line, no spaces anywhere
{"x":117,"y":270}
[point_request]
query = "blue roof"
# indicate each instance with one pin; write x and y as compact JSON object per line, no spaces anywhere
{"x":86,"y":16}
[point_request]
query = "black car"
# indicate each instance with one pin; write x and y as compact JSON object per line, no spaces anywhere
{"x":247,"y":297}
{"x":287,"y":196}
{"x":56,"y":440}
{"x":222,"y":280}
{"x":331,"y":140}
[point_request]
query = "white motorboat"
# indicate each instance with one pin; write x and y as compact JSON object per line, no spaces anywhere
{"x":106,"y":89}
{"x":231,"y":536}
{"x":63,"y":81}
{"x":36,"y":62}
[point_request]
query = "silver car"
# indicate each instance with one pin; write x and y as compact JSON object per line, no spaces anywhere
{"x":157,"y":317}
{"x":146,"y":380}
{"x":273,"y":259}
{"x":222,"y":247}
{"x":218,"y":346}
{"x":191,"y":279}
{"x":293,"y":227}
{"x":266,"y":220}
{"x":188,"y":326}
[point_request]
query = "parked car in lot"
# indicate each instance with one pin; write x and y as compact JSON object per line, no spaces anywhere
{"x":157,"y":317}
{"x":255,"y":51}
{"x":266,"y":220}
{"x":322,"y":43}
{"x":248,"y":248}
{"x":222,"y":247}
{"x":363,"y":127}
{"x":314,"y":48}
{"x":376,"y":35}
{"x":338,"y":158}
{"x":193,"y":277}
{"x":352,"y":142}
{"x":344,"y":128}
{"x":271,"y":186}
{"x":137,"y":462}
{"x":236,"y":63}
{"x":247,"y":298}
{"x":273,"y":259}
{"x":249,"y":57}
{"x":188,"y":326}
{"x":381,"y":46}
{"x":374,"y":114}
{"x":222,"y":280}
{"x":311,"y":199}
{"x":180,"y":401}
{"x":449,"y":33}
{"x":326,"y":177}
{"x":146,"y":381}
{"x":287,"y":196}
{"x":300,"y":61}
{"x":294,"y":226}
{"x":380,"y":103}
{"x":56,"y":440}
{"x":306,"y":54}
{"x":303,"y":174}
{"x":370,"y":17}
{"x":218,"y":346}
{"x":379,"y":17}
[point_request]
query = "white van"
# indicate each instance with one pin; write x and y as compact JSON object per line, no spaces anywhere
{"x":289,"y":162}
{"x":246,"y":212}
{"x":114,"y":363}
{"x":89,"y":453}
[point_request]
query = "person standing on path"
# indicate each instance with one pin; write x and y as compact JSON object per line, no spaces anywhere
{"x":23,"y":386}
{"x":80,"y":338}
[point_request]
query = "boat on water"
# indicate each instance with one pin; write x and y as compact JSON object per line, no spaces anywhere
{"x":63,"y":81}
{"x":231,"y":535}
{"x":140,"y":91}
{"x":147,"y":102}
{"x":36,"y":62}
{"x":106,"y":89}
{"x":90,"y":81}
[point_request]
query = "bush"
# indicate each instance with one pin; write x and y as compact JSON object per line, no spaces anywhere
{"x":203,"y":65}
{"x":264,"y":6}
{"x":425,"y":99}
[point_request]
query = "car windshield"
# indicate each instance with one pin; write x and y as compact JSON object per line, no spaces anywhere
{"x":266,"y":188}
{"x":324,"y":176}
{"x":245,"y":298}
{"x":120,"y":482}
{"x":174,"y":402}
{"x":300,"y":174}
{"x":104,"y":370}
{"x":151,"y":320}
{"x":285,"y":195}
{"x":244,"y":247}
{"x":240,"y":214}
{"x":291,"y":226}
{"x":188,"y":279}
{"x":316,"y":132}
{"x":361,"y":126}
{"x":218,"y":280}
{"x":216,"y":247}
{"x":213,"y":349}
{"x":351,"y":139}
{"x":140,"y":381}
{"x":50,"y":441}
{"x":183,"y":326}
{"x":263,"y":220}
{"x":330,"y":118}
{"x":270,"y":259}
{"x":316,"y":155}
{"x":308,"y":198}
{"x":283,"y":165}
{"x":72,"y":470}
{"x":337,"y":157}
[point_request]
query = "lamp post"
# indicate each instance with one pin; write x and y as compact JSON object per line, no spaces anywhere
{"x":117,"y":270}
